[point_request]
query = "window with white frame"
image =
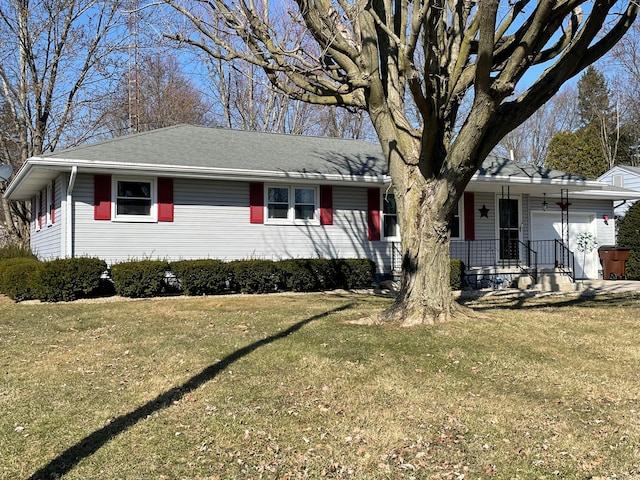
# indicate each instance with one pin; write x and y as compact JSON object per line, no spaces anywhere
{"x":290,"y":204}
{"x":134,"y":199}
{"x":390,"y":227}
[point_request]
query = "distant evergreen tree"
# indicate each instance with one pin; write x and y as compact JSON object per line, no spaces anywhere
{"x":629,"y":236}
{"x":578,"y":152}
{"x":593,"y":97}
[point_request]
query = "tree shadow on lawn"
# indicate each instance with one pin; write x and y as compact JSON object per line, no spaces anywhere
{"x":531,"y":300}
{"x":86,"y":447}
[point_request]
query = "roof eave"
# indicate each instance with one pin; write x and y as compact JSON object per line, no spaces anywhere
{"x":13,"y":192}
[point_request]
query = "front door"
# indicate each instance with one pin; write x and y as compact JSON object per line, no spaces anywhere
{"x":509,"y":228}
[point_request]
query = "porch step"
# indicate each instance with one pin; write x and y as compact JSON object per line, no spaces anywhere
{"x":554,"y":282}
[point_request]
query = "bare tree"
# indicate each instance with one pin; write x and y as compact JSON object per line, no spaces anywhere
{"x":164,"y":96}
{"x":625,"y":62}
{"x":55,"y":59}
{"x":244,"y":100}
{"x":393,"y":59}
{"x":530,"y":141}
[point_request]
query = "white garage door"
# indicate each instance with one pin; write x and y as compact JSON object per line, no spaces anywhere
{"x":548,"y":226}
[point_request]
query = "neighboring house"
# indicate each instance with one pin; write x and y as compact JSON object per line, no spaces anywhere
{"x":626,"y":177}
{"x":189,"y":192}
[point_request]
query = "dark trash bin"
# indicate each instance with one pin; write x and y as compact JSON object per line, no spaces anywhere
{"x":614,"y":260}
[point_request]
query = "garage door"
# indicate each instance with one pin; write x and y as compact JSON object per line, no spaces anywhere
{"x":548,"y":226}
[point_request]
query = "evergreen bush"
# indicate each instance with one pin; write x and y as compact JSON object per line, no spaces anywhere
{"x":20,"y":278}
{"x":202,"y":277}
{"x":68,"y":279}
{"x":255,"y":276}
{"x":16,"y":251}
{"x":140,"y":278}
{"x":356,"y":273}
{"x":629,"y":236}
{"x":298,"y":275}
{"x":456,"y":277}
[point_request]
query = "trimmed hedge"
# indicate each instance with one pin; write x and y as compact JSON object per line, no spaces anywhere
{"x":16,"y":251}
{"x":20,"y":278}
{"x":202,"y":277}
{"x":356,"y":272}
{"x":298,"y":275}
{"x":255,"y":276}
{"x":456,"y":277}
{"x":140,"y":278}
{"x":68,"y":279}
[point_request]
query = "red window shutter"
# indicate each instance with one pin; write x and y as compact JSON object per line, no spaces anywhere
{"x":469,"y":216}
{"x":373,"y":214}
{"x":102,"y":197}
{"x":52,"y":213}
{"x":256,"y":202}
{"x":165,"y":199}
{"x":326,"y":205}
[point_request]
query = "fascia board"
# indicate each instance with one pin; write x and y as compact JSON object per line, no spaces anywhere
{"x":85,"y":166}
{"x":513,"y":180}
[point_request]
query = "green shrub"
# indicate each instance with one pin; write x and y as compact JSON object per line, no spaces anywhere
{"x":202,"y":277}
{"x":456,"y":277}
{"x":326,"y":271}
{"x":356,"y":272}
{"x":140,"y":278}
{"x":20,"y":278}
{"x":68,"y":279}
{"x":629,"y":236}
{"x":298,"y":275}
{"x":255,"y":276}
{"x":16,"y":251}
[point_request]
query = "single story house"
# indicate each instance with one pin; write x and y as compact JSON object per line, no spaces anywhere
{"x":622,"y":176}
{"x":189,"y":192}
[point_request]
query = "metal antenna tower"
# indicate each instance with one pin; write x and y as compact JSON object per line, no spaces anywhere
{"x":133,"y":80}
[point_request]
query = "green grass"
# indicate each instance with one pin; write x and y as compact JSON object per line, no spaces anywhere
{"x":285,"y":386}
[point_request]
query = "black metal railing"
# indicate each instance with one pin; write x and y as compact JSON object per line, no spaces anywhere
{"x":500,"y":254}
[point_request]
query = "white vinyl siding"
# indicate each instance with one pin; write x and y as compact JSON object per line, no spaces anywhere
{"x":45,"y":242}
{"x":211,"y":220}
{"x":628,"y":178}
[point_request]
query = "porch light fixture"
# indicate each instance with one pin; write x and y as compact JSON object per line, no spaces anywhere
{"x":606,"y":219}
{"x":544,"y":202}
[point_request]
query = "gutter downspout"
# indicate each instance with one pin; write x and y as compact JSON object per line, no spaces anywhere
{"x":69,"y":214}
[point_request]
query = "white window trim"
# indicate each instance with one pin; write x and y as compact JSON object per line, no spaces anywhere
{"x":393,"y":238}
{"x":291,"y":220}
{"x":36,"y":211}
{"x":48,"y":205}
{"x":151,"y":218}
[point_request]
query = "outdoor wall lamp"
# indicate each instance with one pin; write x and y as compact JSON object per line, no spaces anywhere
{"x":544,"y":202}
{"x":606,"y":219}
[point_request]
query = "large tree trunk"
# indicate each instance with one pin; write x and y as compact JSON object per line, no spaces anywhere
{"x":426,"y":203}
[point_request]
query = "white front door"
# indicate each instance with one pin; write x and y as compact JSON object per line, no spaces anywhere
{"x":548,"y":226}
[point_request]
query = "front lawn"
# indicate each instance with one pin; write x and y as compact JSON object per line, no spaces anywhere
{"x":285,"y":387}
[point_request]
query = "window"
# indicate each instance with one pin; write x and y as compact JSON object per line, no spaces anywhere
{"x":50,"y":205}
{"x":286,"y":204}
{"x":390,"y":227}
{"x":278,"y":203}
{"x":455,"y":225}
{"x":135,"y":199}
